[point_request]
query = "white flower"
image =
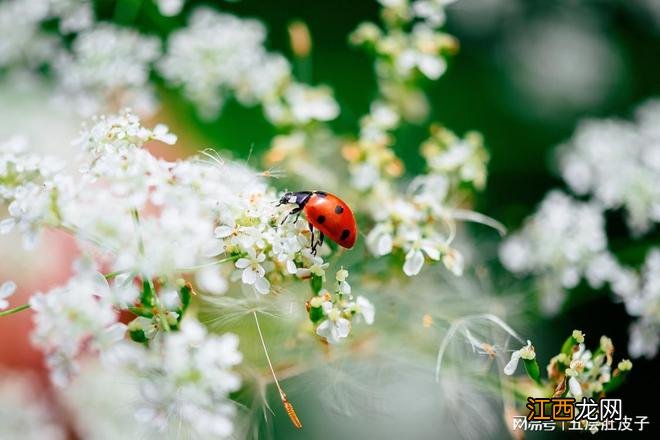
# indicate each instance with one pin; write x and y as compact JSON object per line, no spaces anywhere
{"x":574,"y":387}
{"x":644,"y":340}
{"x":108,"y":62}
{"x":617,"y":162}
{"x":342,"y":285}
{"x":74,"y":15}
{"x":302,"y":104}
{"x":526,"y":352}
{"x":219,"y":54}
{"x":559,"y":241}
{"x":423,"y":54}
{"x":418,"y":222}
{"x":433,"y":11}
{"x":253,"y":272}
{"x":7,"y":289}
{"x":27,"y":184}
{"x":335,"y":327}
{"x":365,"y":308}
{"x":22,"y":41}
{"x":186,"y":378}
{"x":68,"y":316}
{"x":379,"y":240}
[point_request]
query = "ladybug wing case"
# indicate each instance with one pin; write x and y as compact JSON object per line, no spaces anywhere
{"x":334,"y":218}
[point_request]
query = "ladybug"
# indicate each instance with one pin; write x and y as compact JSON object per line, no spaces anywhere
{"x":325,"y":212}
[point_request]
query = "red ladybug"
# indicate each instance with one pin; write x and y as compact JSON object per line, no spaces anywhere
{"x":327,"y":212}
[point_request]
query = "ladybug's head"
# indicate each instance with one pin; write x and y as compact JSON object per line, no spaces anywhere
{"x":287,"y":198}
{"x":295,"y":198}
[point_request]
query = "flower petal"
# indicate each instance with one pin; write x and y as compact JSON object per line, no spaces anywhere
{"x":262,"y":285}
{"x":574,"y":387}
{"x":510,"y":367}
{"x":242,"y":263}
{"x":249,"y":276}
{"x":414,"y":262}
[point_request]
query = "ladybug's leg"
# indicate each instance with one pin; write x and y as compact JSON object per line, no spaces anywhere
{"x":293,"y":211}
{"x":321,"y":237}
{"x":311,"y":230}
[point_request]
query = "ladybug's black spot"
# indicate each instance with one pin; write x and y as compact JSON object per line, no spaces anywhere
{"x":344,"y":234}
{"x":338,"y":209}
{"x":321,"y":193}
{"x":320,"y":218}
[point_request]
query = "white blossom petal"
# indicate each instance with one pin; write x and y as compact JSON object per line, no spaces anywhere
{"x":414,"y":262}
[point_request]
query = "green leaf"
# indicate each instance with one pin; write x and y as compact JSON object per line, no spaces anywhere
{"x":615,"y":382}
{"x":316,"y":314}
{"x":533,"y":370}
{"x":137,"y":335}
{"x":186,"y":295}
{"x":147,"y":295}
{"x":567,"y":348}
{"x":317,"y":284}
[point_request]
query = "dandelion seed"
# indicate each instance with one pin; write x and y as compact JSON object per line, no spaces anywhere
{"x":291,"y":412}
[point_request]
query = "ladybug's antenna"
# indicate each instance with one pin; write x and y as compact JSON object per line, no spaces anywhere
{"x":288,"y":407}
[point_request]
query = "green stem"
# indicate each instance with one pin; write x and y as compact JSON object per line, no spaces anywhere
{"x":15,"y":310}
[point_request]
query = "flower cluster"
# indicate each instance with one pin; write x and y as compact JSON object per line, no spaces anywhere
{"x":420,"y":223}
{"x":108,"y":64}
{"x":26,"y":180}
{"x":417,"y":224}
{"x":334,"y":312}
{"x":618,"y":163}
{"x":576,"y":371}
{"x":300,"y":104}
{"x":108,"y":67}
{"x":68,"y":317}
{"x":185,"y":379}
{"x":404,"y":57}
{"x":22,"y":42}
{"x":559,"y":244}
{"x":73,"y":15}
{"x":149,"y":225}
{"x":642,"y":300}
{"x":219,"y":54}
